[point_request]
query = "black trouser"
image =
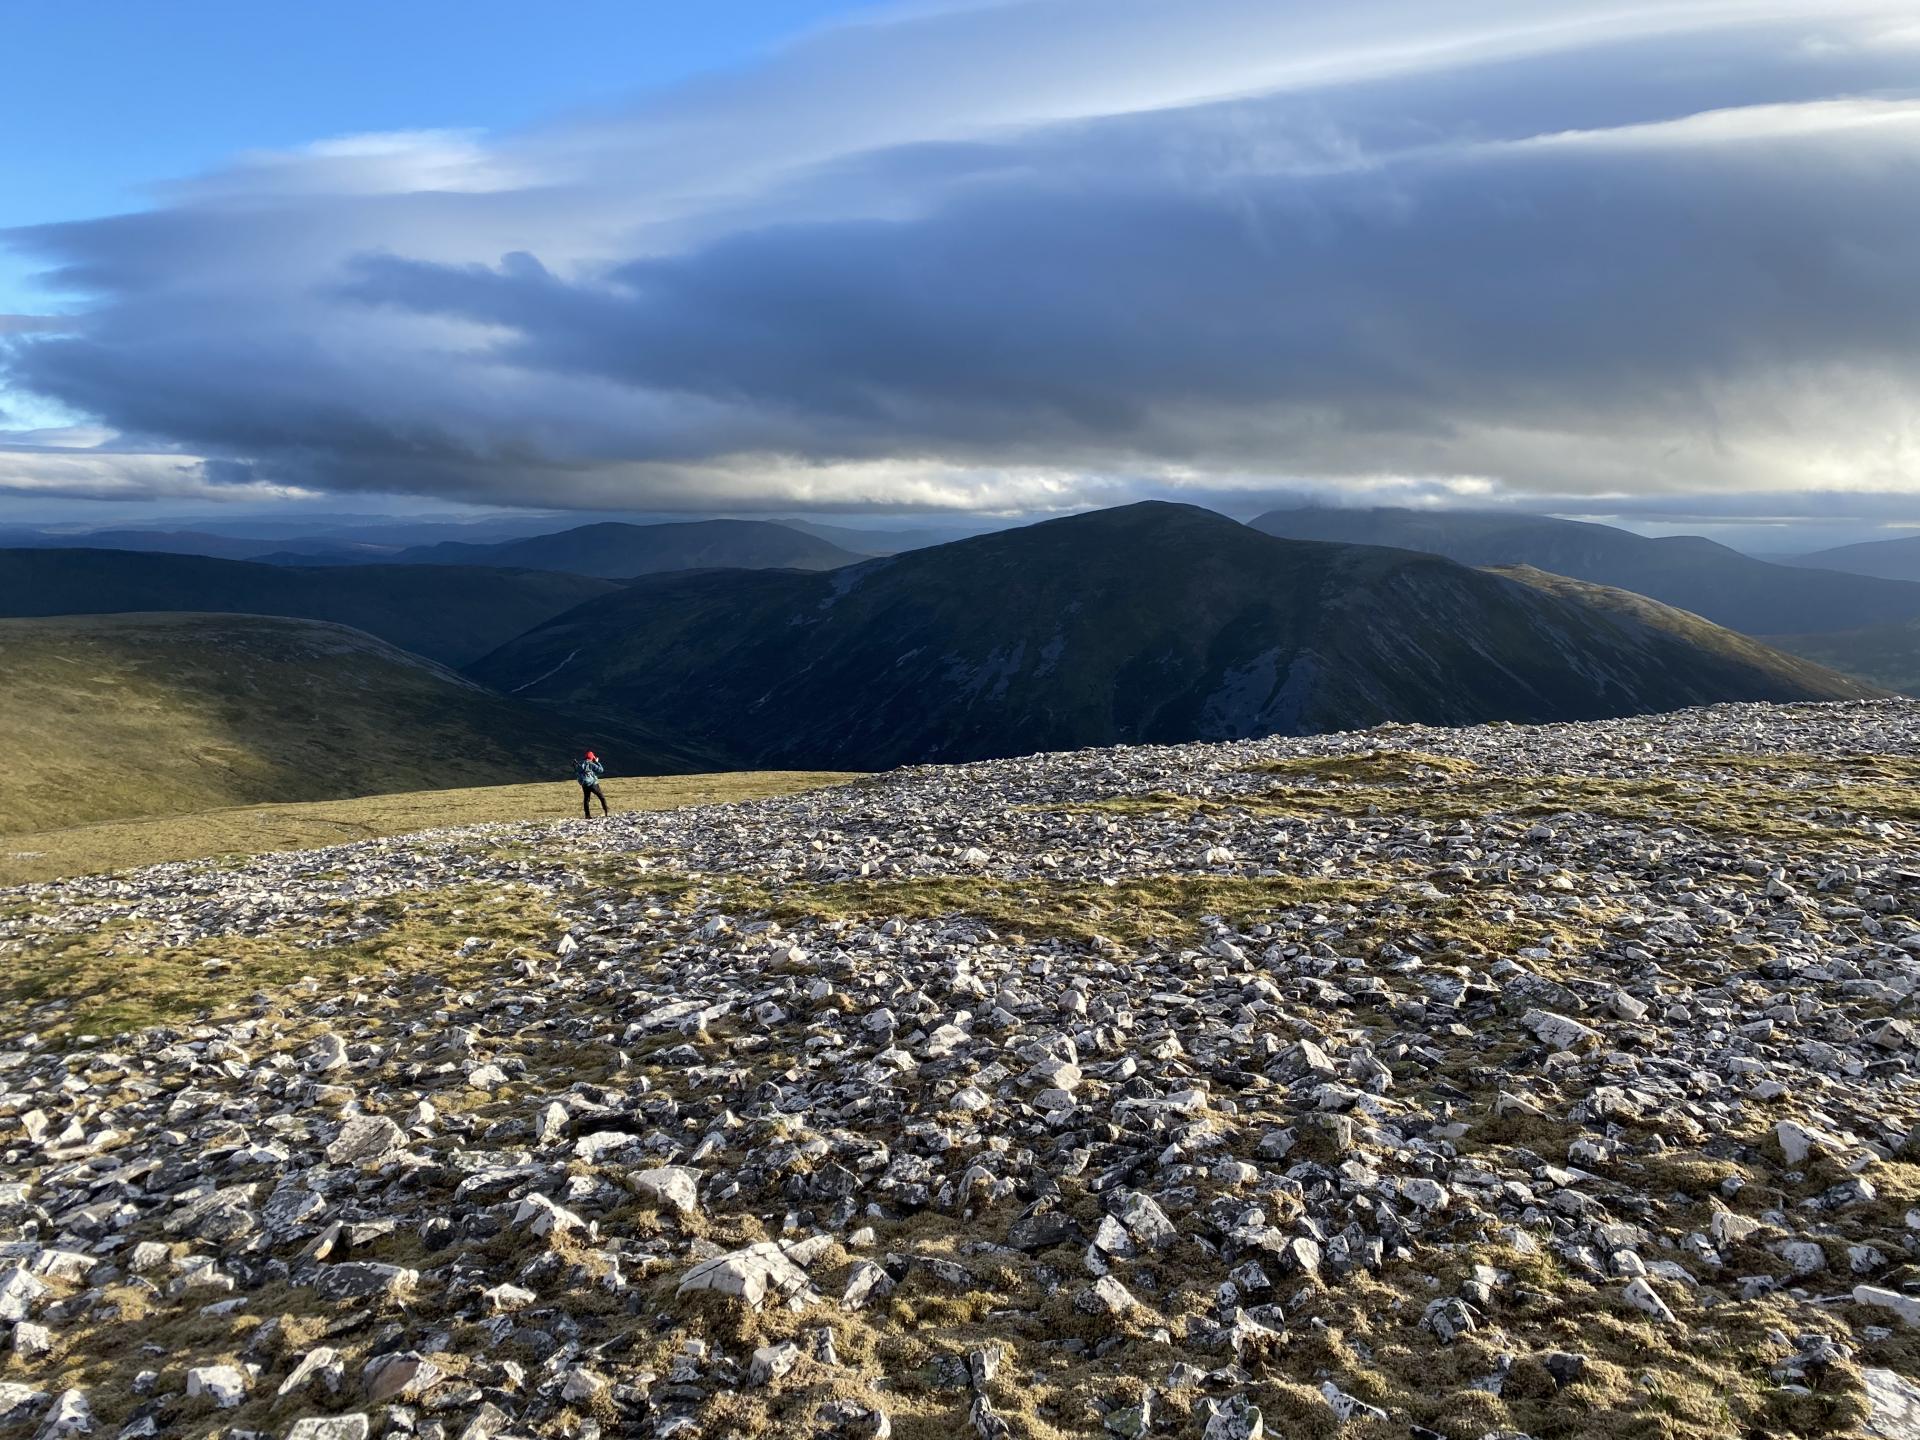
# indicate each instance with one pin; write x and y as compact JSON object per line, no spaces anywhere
{"x":587,"y":794}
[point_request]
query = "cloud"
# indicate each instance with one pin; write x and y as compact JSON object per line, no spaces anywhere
{"x":1051,"y":252}
{"x":57,"y":471}
{"x":23,"y":324}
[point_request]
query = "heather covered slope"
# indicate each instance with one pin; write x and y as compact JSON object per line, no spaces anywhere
{"x":452,"y":615}
{"x":1685,"y":571}
{"x":111,"y":716}
{"x":1154,"y":623}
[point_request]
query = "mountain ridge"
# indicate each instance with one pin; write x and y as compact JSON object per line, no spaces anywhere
{"x":449,"y":614}
{"x":1756,"y":597}
{"x":1149,"y":623}
{"x":616,"y":550}
{"x":1896,"y":559}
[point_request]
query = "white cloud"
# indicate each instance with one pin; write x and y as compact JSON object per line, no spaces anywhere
{"x":1044,"y":252}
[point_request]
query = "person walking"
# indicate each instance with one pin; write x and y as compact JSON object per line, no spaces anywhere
{"x":588,"y":770}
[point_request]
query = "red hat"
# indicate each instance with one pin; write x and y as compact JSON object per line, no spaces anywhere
{"x":592,"y":756}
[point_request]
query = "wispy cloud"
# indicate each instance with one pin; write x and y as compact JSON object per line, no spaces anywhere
{"x":1048,"y":252}
{"x":28,"y":324}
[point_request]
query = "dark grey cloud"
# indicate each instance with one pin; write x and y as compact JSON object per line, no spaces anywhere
{"x":1664,"y":257}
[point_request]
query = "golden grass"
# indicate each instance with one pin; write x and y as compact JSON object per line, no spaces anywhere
{"x":117,"y":979}
{"x":1733,"y":803}
{"x":1147,"y":909}
{"x":109,"y":717}
{"x":255,"y":829}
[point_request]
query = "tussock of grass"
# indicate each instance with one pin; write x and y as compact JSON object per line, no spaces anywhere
{"x":254,"y":829}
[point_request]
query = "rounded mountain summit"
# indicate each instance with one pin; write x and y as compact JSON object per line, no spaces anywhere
{"x":1151,"y":623}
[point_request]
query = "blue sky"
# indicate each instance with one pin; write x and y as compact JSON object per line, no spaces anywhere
{"x":104,"y":99}
{"x":1649,"y":261}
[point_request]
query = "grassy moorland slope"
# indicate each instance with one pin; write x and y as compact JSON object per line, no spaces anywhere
{"x":111,"y":716}
{"x":1727,"y":649}
{"x":261,"y":829}
{"x":1886,"y":655}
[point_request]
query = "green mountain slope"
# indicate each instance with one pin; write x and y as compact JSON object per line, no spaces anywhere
{"x":618,"y":551}
{"x":113,"y":716}
{"x":1886,"y":655}
{"x":452,"y":615}
{"x":1150,"y":623}
{"x":1695,"y":574}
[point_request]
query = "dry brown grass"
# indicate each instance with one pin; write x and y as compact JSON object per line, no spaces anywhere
{"x":255,"y":829}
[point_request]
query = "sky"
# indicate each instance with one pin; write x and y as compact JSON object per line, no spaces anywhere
{"x":1642,"y":261}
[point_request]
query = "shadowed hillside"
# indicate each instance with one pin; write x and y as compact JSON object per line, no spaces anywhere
{"x":1692,"y":573}
{"x":1153,"y":623}
{"x":1886,"y":655}
{"x":1729,"y":648}
{"x":451,"y":615}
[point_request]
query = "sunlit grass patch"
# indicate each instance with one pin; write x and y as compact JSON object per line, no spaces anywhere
{"x":121,"y":978}
{"x":1148,"y":909}
{"x":256,"y":829}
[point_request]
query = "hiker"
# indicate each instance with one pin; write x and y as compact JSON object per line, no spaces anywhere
{"x":588,"y":772}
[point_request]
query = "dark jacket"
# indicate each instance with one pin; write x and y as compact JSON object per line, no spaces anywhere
{"x":588,"y":772}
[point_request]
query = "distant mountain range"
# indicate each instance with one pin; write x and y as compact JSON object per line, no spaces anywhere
{"x":1886,"y":559}
{"x":112,"y":716}
{"x":198,"y":542}
{"x":449,"y":614}
{"x":1150,"y":623}
{"x":614,"y":550}
{"x":617,"y":551}
{"x":1726,"y":587}
{"x":888,"y":542}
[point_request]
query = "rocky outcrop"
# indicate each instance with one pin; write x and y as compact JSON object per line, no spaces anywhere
{"x":1421,"y":1082}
